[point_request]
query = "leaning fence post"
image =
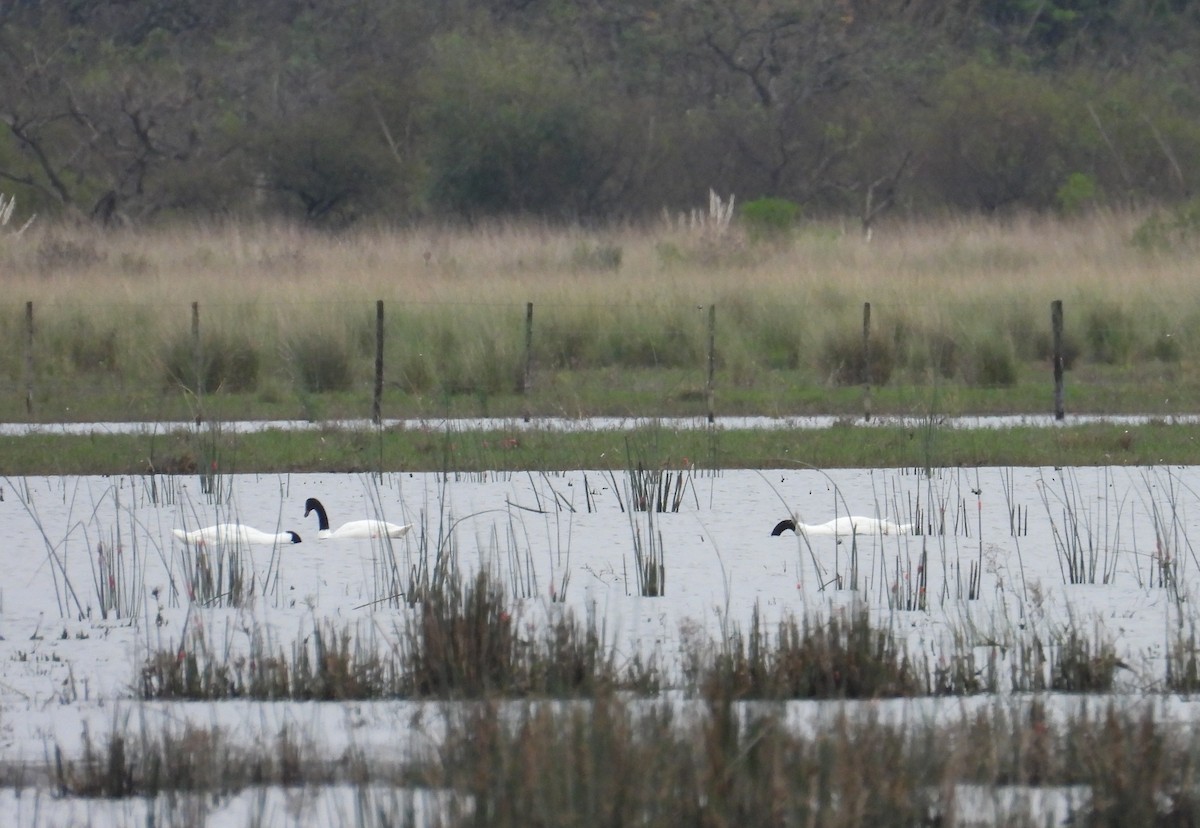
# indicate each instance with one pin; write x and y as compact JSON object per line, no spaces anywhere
{"x":377,"y":404}
{"x":712,"y":361}
{"x":1056,"y":326}
{"x":29,"y":358}
{"x":866,"y":360}
{"x":197,"y":356}
{"x":527,"y":375}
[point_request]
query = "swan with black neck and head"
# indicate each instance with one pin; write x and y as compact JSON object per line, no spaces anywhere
{"x":233,"y":534}
{"x":370,"y":528}
{"x":847,"y":525}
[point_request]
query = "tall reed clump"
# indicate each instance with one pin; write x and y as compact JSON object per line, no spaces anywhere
{"x":609,"y":763}
{"x":1070,"y":662}
{"x":1086,"y":538}
{"x":651,"y":491}
{"x":835,"y":658}
{"x":138,"y":762}
{"x":616,"y":762}
{"x":329,"y":665}
{"x":460,"y":641}
{"x":219,"y":575}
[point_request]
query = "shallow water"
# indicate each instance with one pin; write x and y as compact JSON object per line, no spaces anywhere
{"x":67,"y":671}
{"x":596,"y":423}
{"x":547,"y":538}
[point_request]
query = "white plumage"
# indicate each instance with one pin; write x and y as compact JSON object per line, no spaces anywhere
{"x":371,"y":528}
{"x":848,"y":525}
{"x":234,"y":534}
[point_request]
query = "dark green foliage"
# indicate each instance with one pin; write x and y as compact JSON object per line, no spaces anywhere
{"x":1078,"y":192}
{"x":395,"y":111}
{"x":998,"y":138}
{"x":768,"y":218}
{"x":509,"y":131}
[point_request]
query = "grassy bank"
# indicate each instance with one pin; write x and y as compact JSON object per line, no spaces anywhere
{"x":841,"y":446}
{"x":252,"y":322}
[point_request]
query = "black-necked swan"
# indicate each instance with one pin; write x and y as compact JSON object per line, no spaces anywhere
{"x":233,"y":534}
{"x":849,"y":525}
{"x":371,"y":528}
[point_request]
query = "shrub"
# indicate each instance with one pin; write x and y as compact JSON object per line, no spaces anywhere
{"x":1076,"y":193}
{"x":1162,"y":232}
{"x":228,"y":363}
{"x":1043,"y":347}
{"x":993,"y":364}
{"x":1165,"y":348}
{"x":1110,"y":334}
{"x":941,"y":356}
{"x":768,"y":218}
{"x":88,"y":346}
{"x":322,"y":363}
{"x":842,"y":360}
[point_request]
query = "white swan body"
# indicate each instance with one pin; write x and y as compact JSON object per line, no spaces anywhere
{"x":372,"y":528}
{"x":848,"y":525}
{"x":233,"y":534}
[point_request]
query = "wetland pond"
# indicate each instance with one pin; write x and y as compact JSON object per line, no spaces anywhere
{"x":95,"y":581}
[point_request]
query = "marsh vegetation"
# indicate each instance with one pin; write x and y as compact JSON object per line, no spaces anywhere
{"x":270,"y":321}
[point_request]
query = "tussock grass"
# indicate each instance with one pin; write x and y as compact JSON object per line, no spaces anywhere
{"x":962,"y":302}
{"x":462,"y":640}
{"x":620,"y":762}
{"x":839,"y":657}
{"x":612,"y":763}
{"x":139,"y":762}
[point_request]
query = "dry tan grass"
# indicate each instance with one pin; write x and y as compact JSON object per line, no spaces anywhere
{"x":604,"y":297}
{"x":963,"y":260}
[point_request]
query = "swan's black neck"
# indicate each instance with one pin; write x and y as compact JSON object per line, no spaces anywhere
{"x":294,"y":537}
{"x":314,"y":505}
{"x":783,"y":526}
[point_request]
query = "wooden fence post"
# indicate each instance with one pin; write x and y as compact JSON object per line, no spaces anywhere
{"x":377,"y":404}
{"x":197,"y":353}
{"x":1056,"y":326}
{"x":712,"y":362}
{"x":29,"y":358}
{"x":527,"y":374}
{"x":866,"y":360}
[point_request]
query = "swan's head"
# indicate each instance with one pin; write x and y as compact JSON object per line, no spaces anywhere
{"x":294,"y":538}
{"x":310,"y":505}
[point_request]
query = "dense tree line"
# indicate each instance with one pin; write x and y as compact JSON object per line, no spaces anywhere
{"x":401,"y":110}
